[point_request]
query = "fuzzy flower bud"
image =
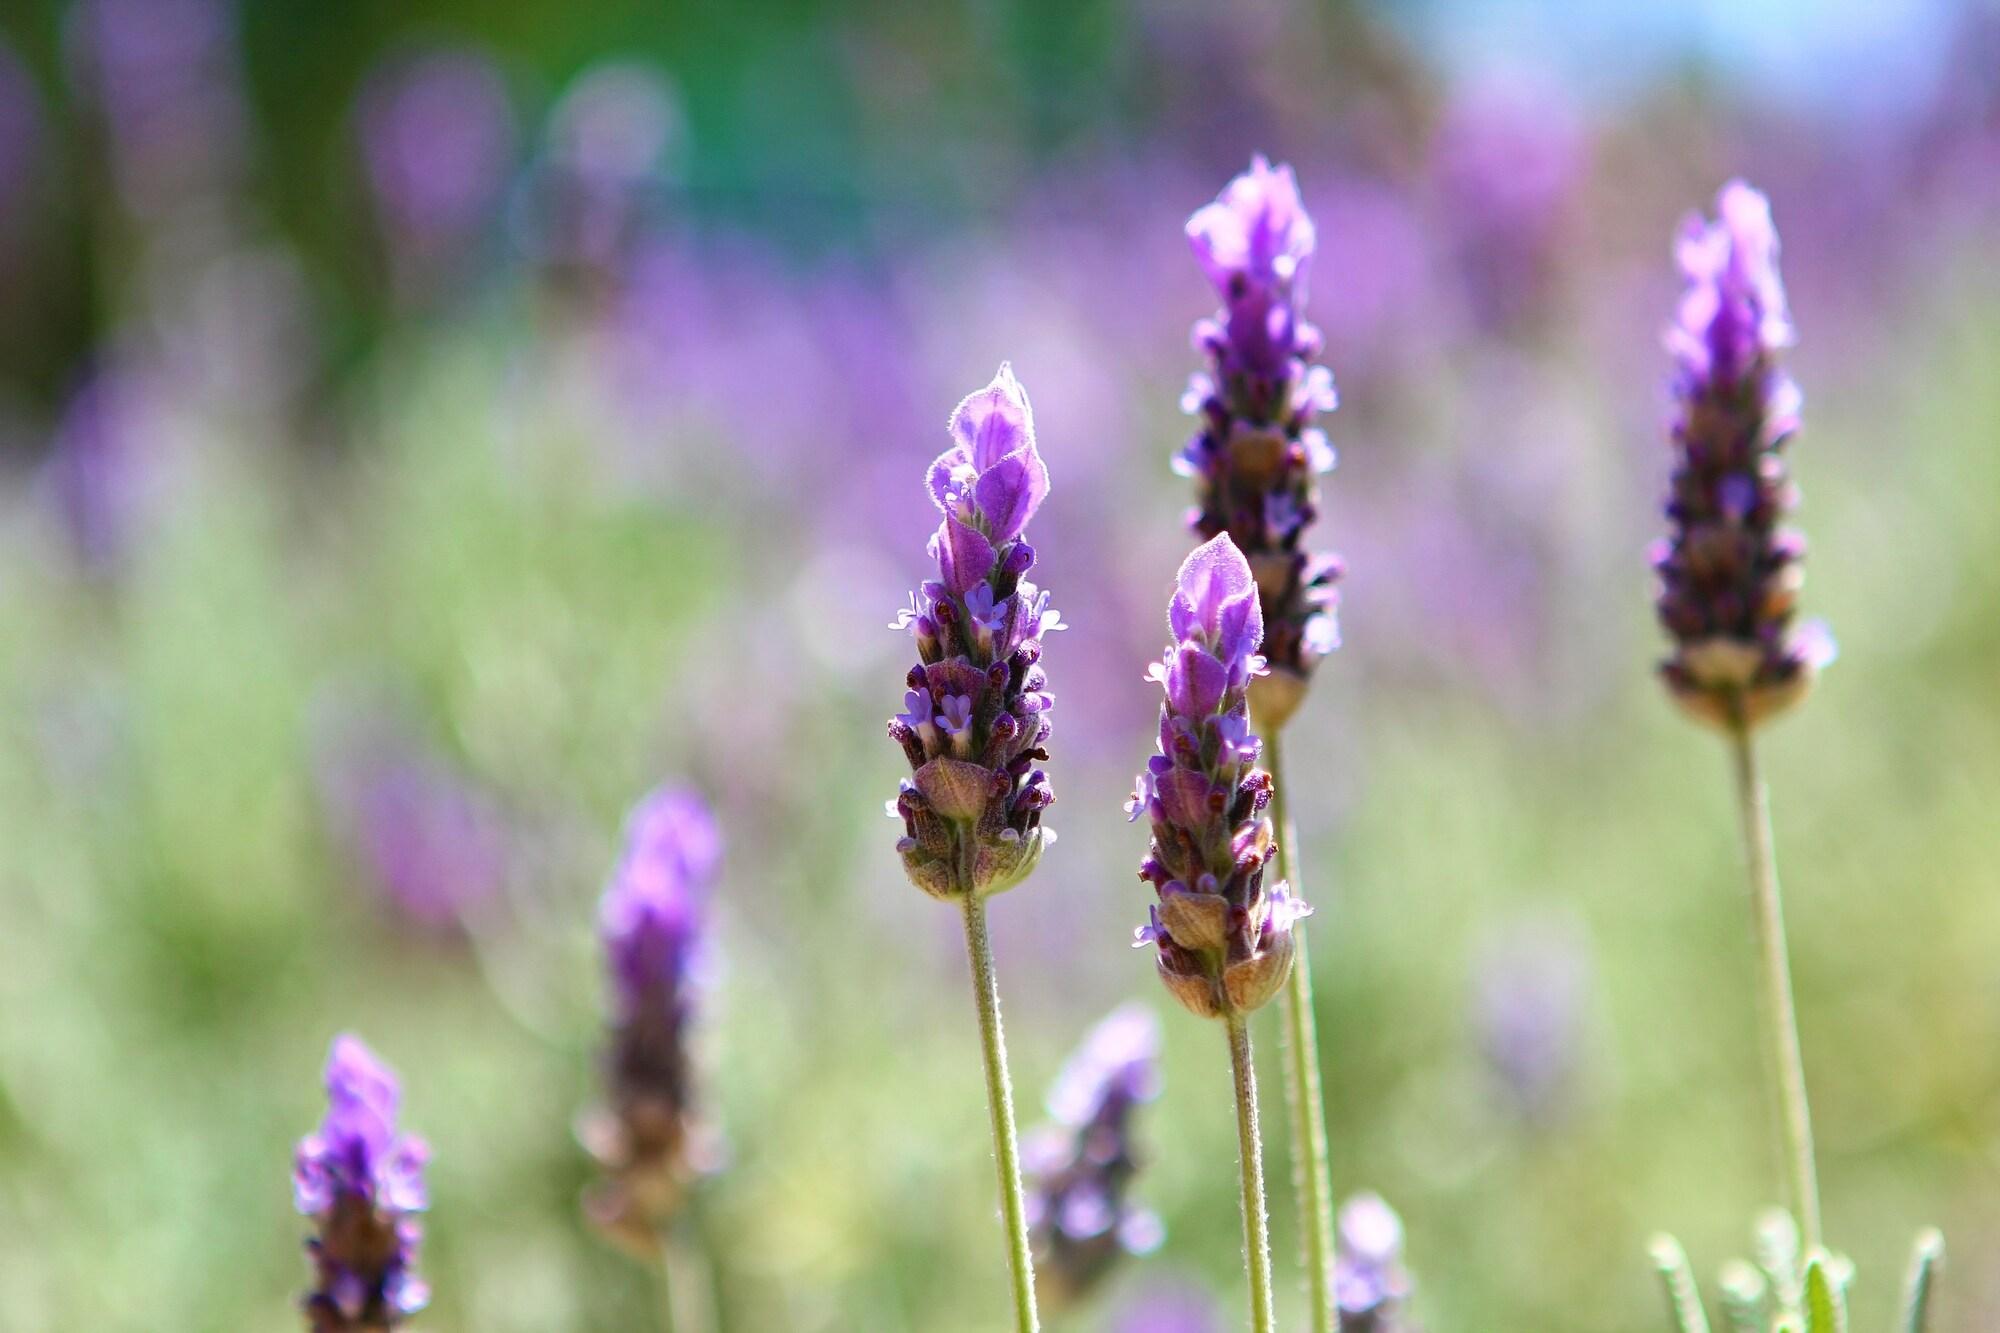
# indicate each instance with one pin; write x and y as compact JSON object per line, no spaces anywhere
{"x":1370,"y":1284}
{"x":1081,"y":1165}
{"x":975,"y":719}
{"x":1729,"y":575}
{"x":1225,"y":940}
{"x":647,"y":1138}
{"x":1256,"y":456}
{"x":362,"y":1183}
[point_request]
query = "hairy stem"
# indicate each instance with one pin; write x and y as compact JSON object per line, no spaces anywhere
{"x":1780,"y":1016}
{"x":1000,"y":1103}
{"x":1312,"y":1180}
{"x":1256,"y":1231}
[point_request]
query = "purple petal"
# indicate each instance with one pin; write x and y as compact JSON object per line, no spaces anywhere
{"x":1009,"y":493}
{"x":995,"y":421}
{"x":1195,"y":681}
{"x":1184,"y":796}
{"x":964,"y":557}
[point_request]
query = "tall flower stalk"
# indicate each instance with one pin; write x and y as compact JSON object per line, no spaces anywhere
{"x":1729,"y":578}
{"x":975,"y":724}
{"x":361,"y":1180}
{"x":647,"y":1138}
{"x":1255,"y":459}
{"x":1224,"y":937}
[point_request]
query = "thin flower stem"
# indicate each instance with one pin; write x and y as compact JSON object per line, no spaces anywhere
{"x":1000,"y":1102}
{"x":1780,"y":1017}
{"x":1256,"y":1230}
{"x":1312,"y":1179}
{"x":663,"y":1270}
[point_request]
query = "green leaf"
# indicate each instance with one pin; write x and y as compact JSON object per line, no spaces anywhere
{"x":1925,"y":1258}
{"x":1825,"y":1301}
{"x":1683,"y":1296}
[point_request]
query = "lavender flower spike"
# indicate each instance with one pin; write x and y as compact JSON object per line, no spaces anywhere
{"x":1729,"y":576}
{"x":647,"y":1138}
{"x":1370,"y":1281}
{"x":976,"y":716}
{"x":1225,"y":939}
{"x":1256,"y":456}
{"x":1080,"y":1224}
{"x":362,"y":1183}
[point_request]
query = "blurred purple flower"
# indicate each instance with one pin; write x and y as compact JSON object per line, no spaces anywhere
{"x":1080,"y":1167}
{"x":431,"y":842}
{"x":1729,"y":576}
{"x":1164,"y":1307}
{"x":1529,"y":999}
{"x":1507,"y":163}
{"x":164,"y":76}
{"x":94,"y":474}
{"x":603,"y":164}
{"x":1256,"y":457}
{"x":646,"y":1138}
{"x":972,"y":809}
{"x":362,"y":1182}
{"x":437,"y":139}
{"x":1370,"y":1283}
{"x":1225,"y":940}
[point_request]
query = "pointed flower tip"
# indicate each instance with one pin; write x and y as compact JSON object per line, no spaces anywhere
{"x":356,"y":1078}
{"x":1257,"y":231}
{"x":650,"y":916}
{"x":1215,"y":599}
{"x":995,"y":421}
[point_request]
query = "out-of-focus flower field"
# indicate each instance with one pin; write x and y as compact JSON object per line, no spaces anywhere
{"x":426,"y":428}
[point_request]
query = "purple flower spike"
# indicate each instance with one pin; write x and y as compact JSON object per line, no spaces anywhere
{"x":976,"y":717}
{"x":1079,"y":1222}
{"x":1729,"y":574}
{"x":1371,"y":1285}
{"x":647,"y":1138}
{"x":362,"y":1183}
{"x":1256,"y":455}
{"x":1225,"y":939}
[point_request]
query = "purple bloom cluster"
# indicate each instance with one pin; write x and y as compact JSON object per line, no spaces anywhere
{"x":1729,"y":575}
{"x":1225,"y":939}
{"x":975,"y":718}
{"x":437,"y":139}
{"x":651,"y":924}
{"x":1256,"y":457}
{"x":362,"y":1182}
{"x":1079,"y":1222}
{"x":1370,"y":1283}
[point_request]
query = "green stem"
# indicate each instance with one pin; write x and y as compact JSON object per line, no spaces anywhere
{"x":1312,"y":1179}
{"x":663,"y":1270}
{"x":1000,"y":1102}
{"x":1256,"y":1230}
{"x":1781,"y":1024}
